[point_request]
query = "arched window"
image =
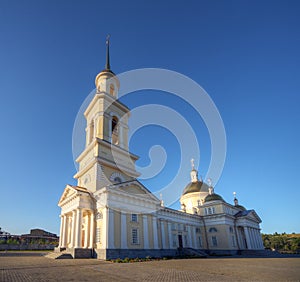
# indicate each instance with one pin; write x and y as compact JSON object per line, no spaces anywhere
{"x":111,"y":89}
{"x":213,"y":229}
{"x":114,"y":130}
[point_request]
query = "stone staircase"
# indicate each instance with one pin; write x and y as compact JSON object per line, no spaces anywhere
{"x":191,"y":252}
{"x":59,"y":255}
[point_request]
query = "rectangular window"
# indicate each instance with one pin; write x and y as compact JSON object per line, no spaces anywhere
{"x":210,"y":210}
{"x":98,"y":235}
{"x":135,"y":236}
{"x":134,"y":217}
{"x":214,"y":241}
{"x":198,"y":230}
{"x":173,"y":226}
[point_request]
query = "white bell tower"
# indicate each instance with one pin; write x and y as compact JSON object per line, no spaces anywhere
{"x":106,"y":158}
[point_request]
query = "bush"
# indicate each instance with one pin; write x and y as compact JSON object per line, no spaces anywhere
{"x":12,"y":241}
{"x":126,"y":259}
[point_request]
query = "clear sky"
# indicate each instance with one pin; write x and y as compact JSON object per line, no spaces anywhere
{"x":245,"y":54}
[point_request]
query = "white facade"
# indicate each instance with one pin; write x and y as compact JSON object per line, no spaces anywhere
{"x":110,"y":214}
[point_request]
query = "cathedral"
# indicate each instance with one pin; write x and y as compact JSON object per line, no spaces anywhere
{"x":110,"y":214}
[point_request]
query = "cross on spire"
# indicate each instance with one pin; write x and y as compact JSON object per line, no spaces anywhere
{"x":192,"y":164}
{"x":107,"y":65}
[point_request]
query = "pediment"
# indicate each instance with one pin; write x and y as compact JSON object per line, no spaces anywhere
{"x":254,"y":216}
{"x":68,"y":193}
{"x":250,"y":214}
{"x":134,"y":189}
{"x":137,"y":189}
{"x":71,"y":192}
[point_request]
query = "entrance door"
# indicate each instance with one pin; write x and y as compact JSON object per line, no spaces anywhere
{"x":180,"y":241}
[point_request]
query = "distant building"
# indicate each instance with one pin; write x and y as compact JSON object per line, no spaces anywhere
{"x":39,"y":234}
{"x":110,"y":214}
{"x":3,"y":234}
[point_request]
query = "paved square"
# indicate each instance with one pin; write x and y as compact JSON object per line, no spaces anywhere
{"x":32,"y":266}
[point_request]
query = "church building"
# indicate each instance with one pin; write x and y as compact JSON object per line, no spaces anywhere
{"x":110,"y":214}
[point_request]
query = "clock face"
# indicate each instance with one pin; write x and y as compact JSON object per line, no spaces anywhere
{"x":117,"y":177}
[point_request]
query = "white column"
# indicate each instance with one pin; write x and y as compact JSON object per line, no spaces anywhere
{"x":121,"y":142}
{"x":68,"y":230}
{"x":78,"y":228}
{"x":146,"y":237}
{"x":163,"y":234}
{"x":261,"y":244}
{"x":61,"y":230}
{"x":248,"y":240}
{"x":195,"y":237}
{"x":104,"y":228}
{"x":73,"y":229}
{"x":155,"y":237}
{"x":255,"y":238}
{"x":238,"y":241}
{"x":65,"y":232}
{"x":190,"y":236}
{"x":109,"y":128}
{"x":91,"y":243}
{"x":123,"y":231}
{"x":111,"y":234}
{"x":86,"y":230}
{"x":170,"y":235}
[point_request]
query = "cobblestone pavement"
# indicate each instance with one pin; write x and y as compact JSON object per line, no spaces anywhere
{"x":34,"y":267}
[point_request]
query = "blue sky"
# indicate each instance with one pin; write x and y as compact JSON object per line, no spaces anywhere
{"x":245,"y":54}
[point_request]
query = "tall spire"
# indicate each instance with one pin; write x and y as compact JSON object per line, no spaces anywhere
{"x":107,"y":65}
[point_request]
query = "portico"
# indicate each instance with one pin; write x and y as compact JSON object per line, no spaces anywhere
{"x":77,"y":219}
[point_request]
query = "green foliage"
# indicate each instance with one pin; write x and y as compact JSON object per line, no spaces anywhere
{"x":126,"y":260}
{"x":12,"y":241}
{"x":282,"y":242}
{"x":118,"y":260}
